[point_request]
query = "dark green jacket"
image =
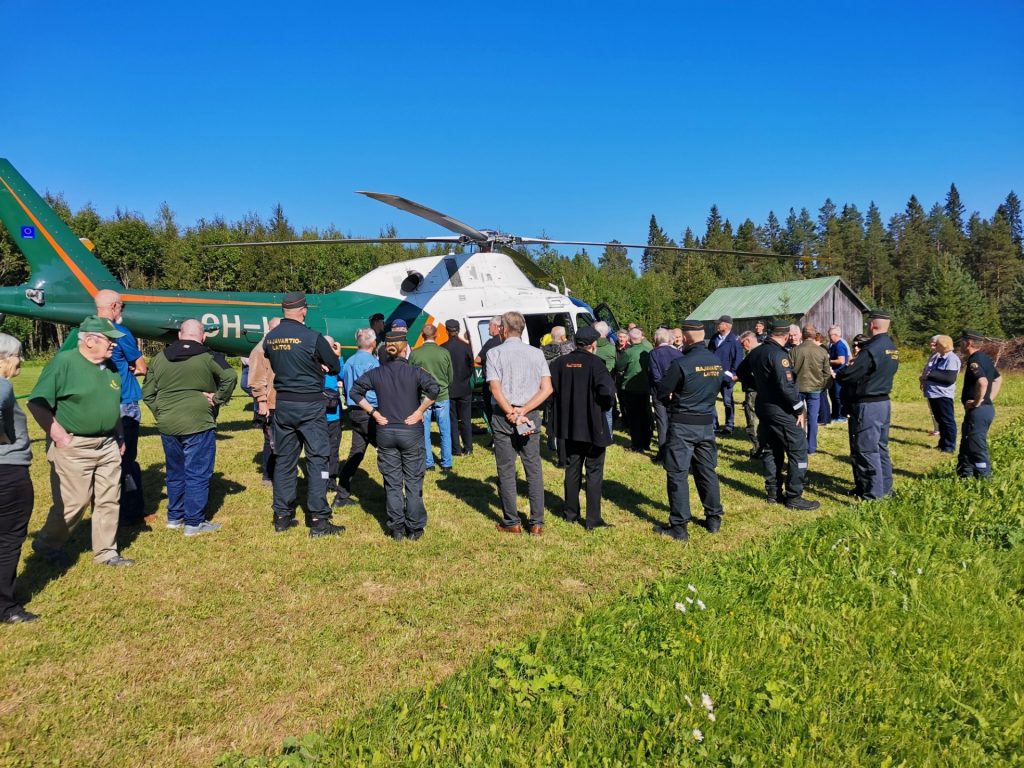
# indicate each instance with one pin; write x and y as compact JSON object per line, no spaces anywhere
{"x":174,"y":387}
{"x":435,"y":360}
{"x":606,"y":351}
{"x":631,"y":367}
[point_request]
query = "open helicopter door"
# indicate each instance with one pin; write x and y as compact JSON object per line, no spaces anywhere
{"x":604,"y":312}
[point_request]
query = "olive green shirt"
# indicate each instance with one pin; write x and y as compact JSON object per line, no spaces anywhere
{"x":437,"y":361}
{"x":631,"y":367}
{"x":810,"y":363}
{"x":606,"y":351}
{"x":85,"y":397}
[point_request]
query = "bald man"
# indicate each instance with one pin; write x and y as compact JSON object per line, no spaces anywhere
{"x":186,"y":385}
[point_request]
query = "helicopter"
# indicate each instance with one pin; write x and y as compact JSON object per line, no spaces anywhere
{"x":491,"y":275}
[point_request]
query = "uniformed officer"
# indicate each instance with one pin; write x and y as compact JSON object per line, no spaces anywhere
{"x":981,"y":385}
{"x":692,"y":384}
{"x":870,"y":377}
{"x":768,"y":369}
{"x":299,"y":357}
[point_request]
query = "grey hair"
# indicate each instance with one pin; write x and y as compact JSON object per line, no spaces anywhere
{"x":601,"y":327}
{"x":835,"y":328}
{"x":9,"y":346}
{"x":748,"y":335}
{"x":636,"y":335}
{"x":663,"y":336}
{"x":366,"y":338}
{"x":557,"y":333}
{"x":498,"y":320}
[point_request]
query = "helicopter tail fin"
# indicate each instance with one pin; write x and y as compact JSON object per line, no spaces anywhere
{"x":62,"y":266}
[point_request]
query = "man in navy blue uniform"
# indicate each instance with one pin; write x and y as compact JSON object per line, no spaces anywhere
{"x":691,"y":386}
{"x":299,"y":357}
{"x":662,"y":356}
{"x":870,"y":377}
{"x":768,"y":369}
{"x":981,"y":385}
{"x":727,"y":348}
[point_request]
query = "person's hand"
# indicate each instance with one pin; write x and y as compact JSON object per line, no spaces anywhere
{"x":513,"y":417}
{"x":382,"y":420}
{"x":60,"y":436}
{"x":415,"y":417}
{"x":263,"y":409}
{"x":968,"y":404}
{"x":120,"y":447}
{"x":801,"y":420}
{"x":209,"y":398}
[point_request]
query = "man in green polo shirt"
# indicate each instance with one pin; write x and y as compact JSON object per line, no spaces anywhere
{"x":77,"y":402}
{"x":437,"y":361}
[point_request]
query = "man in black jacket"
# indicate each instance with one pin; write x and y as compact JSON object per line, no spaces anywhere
{"x":460,"y":390}
{"x":583,"y":393}
{"x":299,"y":356}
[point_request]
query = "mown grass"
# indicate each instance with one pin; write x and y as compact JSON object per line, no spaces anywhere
{"x":885,"y":634}
{"x":234,"y":641}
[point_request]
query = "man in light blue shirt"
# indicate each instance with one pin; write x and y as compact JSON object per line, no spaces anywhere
{"x":364,"y":429}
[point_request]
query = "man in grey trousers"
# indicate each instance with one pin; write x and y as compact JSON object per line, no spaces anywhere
{"x":520,"y":381}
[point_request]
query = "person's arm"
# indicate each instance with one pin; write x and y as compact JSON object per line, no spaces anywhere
{"x":980,"y":389}
{"x":429,"y":390}
{"x":840,"y":359}
{"x":361,"y":386}
{"x":46,"y":418}
{"x":997,"y":384}
{"x":856,"y":371}
{"x":149,"y":391}
{"x":542,"y":394}
{"x":7,"y":435}
{"x":260,"y":382}
{"x":826,"y":369}
{"x":669,"y":381}
{"x":328,"y":359}
{"x":225,"y":377}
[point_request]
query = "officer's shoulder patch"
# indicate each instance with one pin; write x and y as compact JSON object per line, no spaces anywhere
{"x":785,"y":362}
{"x":974,"y":366}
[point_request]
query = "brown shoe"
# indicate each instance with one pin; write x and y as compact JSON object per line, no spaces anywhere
{"x":536,"y":530}
{"x":509,"y":528}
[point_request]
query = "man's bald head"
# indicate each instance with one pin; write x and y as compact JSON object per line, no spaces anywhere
{"x":108,"y":304}
{"x":192,"y":330}
{"x":274,"y":322}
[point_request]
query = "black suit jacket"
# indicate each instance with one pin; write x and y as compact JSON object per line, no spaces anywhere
{"x":462,"y":368}
{"x":584,"y":391}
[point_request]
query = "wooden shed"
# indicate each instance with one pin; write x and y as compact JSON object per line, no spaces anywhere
{"x":821,"y":302}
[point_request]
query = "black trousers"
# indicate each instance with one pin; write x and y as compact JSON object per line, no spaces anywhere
{"x":729,"y":404}
{"x":402,"y":460}
{"x":973,"y":460}
{"x":461,"y":409}
{"x":133,"y":507}
{"x":691,"y":448}
{"x":782,"y":441}
{"x":661,"y":422}
{"x":637,"y":407}
{"x":268,"y":447}
{"x":333,"y":445}
{"x":299,"y":426}
{"x":364,"y":433}
{"x":16,"y":499}
{"x":578,"y":456}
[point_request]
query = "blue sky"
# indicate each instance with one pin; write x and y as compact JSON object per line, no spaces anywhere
{"x":576,"y":119}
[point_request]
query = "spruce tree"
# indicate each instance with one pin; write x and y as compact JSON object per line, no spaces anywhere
{"x":770,"y":235}
{"x":1011,"y":212}
{"x":652,"y":256}
{"x":949,"y":301}
{"x":954,"y":209}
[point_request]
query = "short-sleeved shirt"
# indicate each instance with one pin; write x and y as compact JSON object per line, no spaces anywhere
{"x":125,"y":352}
{"x":86,"y":397}
{"x":978,"y":366}
{"x":358,"y":364}
{"x":947,"y":362}
{"x":837,"y":349}
{"x":519,"y":367}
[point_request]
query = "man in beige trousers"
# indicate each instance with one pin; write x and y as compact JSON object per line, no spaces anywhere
{"x":77,"y":403}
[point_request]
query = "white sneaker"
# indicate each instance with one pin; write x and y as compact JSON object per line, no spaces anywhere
{"x":204,"y":527}
{"x":175,"y":524}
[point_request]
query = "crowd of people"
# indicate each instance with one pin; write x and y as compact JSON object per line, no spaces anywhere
{"x":793,"y":379}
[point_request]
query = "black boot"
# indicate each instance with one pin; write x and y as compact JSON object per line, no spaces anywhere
{"x":324,"y":527}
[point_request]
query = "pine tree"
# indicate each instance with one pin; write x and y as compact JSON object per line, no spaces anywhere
{"x":909,"y":233}
{"x":879,"y":277}
{"x":1013,"y":310}
{"x":994,"y":257}
{"x":949,"y":301}
{"x":850,"y":244}
{"x":655,"y":236}
{"x":770,"y":235}
{"x":828,"y":236}
{"x":614,"y":259}
{"x":954,"y":209}
{"x":1011,"y":212}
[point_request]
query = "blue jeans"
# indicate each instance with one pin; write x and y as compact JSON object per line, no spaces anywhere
{"x":812,"y":403}
{"x":441,"y":412}
{"x":189,"y":469}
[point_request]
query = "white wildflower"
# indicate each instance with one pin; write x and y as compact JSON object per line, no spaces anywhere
{"x":691,"y":587}
{"x":689,"y":600}
{"x":963,"y":565}
{"x":687,"y":699}
{"x":711,"y":716}
{"x":892,"y":572}
{"x":681,"y":607}
{"x":920,"y":571}
{"x":698,"y":735}
{"x":700,"y":604}
{"x":709,"y":705}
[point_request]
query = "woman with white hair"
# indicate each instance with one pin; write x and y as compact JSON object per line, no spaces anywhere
{"x":938,"y":383}
{"x":16,"y":493}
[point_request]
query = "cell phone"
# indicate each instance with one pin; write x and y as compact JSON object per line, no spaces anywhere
{"x":525,"y":428}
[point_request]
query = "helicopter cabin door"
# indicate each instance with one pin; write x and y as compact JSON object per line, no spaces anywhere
{"x":604,"y":312}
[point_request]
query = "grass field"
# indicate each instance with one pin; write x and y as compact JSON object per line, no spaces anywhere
{"x":234,"y":641}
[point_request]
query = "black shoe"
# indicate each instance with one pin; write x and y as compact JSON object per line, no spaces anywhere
{"x":756,"y":453}
{"x":398,"y":534}
{"x":658,"y":458}
{"x":775,"y":499}
{"x":282,"y":524}
{"x":341,"y":501}
{"x":802,"y":504}
{"x":599,"y":526}
{"x":118,"y":562}
{"x":711,"y":523}
{"x":678,"y":533}
{"x":323,"y":528}
{"x":446,"y":470}
{"x":431,"y":468}
{"x":416,"y":535}
{"x":18,"y":615}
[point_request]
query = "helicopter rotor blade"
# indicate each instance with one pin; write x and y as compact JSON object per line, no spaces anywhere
{"x":429,"y":214}
{"x":525,"y":263}
{"x":714,"y":251}
{"x":342,"y":241}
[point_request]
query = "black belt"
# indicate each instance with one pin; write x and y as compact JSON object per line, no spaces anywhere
{"x":871,"y":399}
{"x":693,"y":418}
{"x":300,"y":397}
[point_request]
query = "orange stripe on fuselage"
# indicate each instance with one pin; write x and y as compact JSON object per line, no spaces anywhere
{"x":68,"y":261}
{"x":127,"y":297}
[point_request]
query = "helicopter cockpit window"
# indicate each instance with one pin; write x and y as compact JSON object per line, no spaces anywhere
{"x":483,"y":331}
{"x":584,"y":320}
{"x":539,"y":326}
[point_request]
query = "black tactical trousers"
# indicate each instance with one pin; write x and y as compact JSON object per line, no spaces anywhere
{"x":973,"y":460}
{"x":591,"y":456}
{"x":299,"y":426}
{"x":402,"y":460}
{"x":782,"y":441}
{"x":691,"y":447}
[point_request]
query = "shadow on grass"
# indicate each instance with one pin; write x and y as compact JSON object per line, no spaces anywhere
{"x":632,"y":501}
{"x":480,"y":495}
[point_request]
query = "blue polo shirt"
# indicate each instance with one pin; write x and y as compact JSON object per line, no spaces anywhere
{"x":358,"y":364}
{"x":125,"y":353}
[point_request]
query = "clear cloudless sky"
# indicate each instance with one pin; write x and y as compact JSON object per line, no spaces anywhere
{"x":575,"y":119}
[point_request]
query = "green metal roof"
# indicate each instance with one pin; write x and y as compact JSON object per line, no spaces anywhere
{"x":795,"y":297}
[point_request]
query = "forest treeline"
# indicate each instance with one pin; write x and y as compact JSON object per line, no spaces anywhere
{"x":939,"y":270}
